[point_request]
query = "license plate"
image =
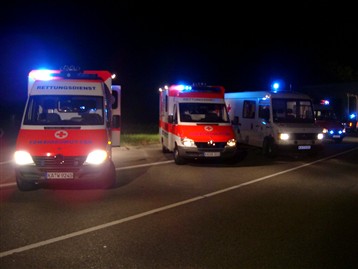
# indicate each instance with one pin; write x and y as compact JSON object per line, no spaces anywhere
{"x":59,"y":175}
{"x":305,"y":147}
{"x":212,"y":154}
{"x":336,"y":136}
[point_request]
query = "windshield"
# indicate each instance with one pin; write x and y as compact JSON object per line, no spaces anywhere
{"x":64,"y":110}
{"x":328,"y":115}
{"x":292,"y":111}
{"x":203,"y":112}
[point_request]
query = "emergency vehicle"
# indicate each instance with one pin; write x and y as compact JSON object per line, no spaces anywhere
{"x":274,"y":121}
{"x":194,"y":123}
{"x":67,"y":129}
{"x":326,"y":118}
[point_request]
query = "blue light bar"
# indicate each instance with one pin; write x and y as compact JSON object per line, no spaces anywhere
{"x":42,"y":74}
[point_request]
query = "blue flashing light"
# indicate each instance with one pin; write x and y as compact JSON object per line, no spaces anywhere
{"x":352,"y":116}
{"x":41,"y":74}
{"x":277,"y":85}
{"x":325,"y":102}
{"x":182,"y":87}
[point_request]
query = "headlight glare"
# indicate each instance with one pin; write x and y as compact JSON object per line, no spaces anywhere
{"x":284,"y":136}
{"x":96,"y":157}
{"x":231,"y":143}
{"x":22,"y":157}
{"x":187,"y":142}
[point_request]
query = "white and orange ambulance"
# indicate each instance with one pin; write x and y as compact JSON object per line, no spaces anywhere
{"x":194,"y":123}
{"x":67,"y":128}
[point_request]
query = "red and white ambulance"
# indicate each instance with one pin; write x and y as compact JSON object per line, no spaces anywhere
{"x":67,"y":128}
{"x":194,"y":123}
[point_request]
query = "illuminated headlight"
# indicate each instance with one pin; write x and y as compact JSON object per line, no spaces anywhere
{"x":187,"y":142}
{"x":23,"y":158}
{"x":325,"y":130}
{"x":284,"y":136}
{"x":320,"y":136}
{"x":231,"y":143}
{"x":96,"y":157}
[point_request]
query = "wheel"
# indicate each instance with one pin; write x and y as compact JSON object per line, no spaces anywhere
{"x":165,"y":149}
{"x":269,"y":148}
{"x":232,"y":160}
{"x":241,"y":155}
{"x":177,"y":158}
{"x":338,"y":140}
{"x":111,"y":179}
{"x":23,"y":185}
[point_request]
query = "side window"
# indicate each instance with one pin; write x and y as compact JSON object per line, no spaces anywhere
{"x":175,"y":114}
{"x":264,"y":112}
{"x":249,"y":109}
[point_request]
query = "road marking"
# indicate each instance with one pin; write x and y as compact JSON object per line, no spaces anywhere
{"x":142,"y":165}
{"x":153,"y":211}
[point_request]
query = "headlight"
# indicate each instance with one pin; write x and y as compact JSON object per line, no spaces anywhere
{"x":96,"y":157}
{"x":284,"y":136}
{"x":320,"y":136}
{"x":231,"y":143}
{"x":22,"y":158}
{"x":187,"y":142}
{"x":325,"y":130}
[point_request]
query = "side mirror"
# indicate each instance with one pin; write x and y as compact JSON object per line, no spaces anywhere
{"x":170,"y":118}
{"x":265,"y":114}
{"x":235,"y":121}
{"x":116,"y":121}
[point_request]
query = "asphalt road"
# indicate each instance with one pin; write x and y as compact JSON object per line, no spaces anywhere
{"x":290,"y":212}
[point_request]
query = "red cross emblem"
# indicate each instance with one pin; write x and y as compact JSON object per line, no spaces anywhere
{"x":61,"y":134}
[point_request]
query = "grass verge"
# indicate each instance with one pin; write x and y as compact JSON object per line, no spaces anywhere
{"x":139,"y":139}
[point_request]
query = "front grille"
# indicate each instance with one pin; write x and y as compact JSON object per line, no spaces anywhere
{"x":303,"y":136}
{"x":210,"y":145}
{"x":59,"y":161}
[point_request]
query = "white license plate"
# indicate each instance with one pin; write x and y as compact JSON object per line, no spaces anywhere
{"x":212,"y":154}
{"x":59,"y":175}
{"x":336,"y":136}
{"x":305,"y":147}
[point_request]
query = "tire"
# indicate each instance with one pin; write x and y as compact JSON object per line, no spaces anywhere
{"x":232,"y":160}
{"x":23,"y":185}
{"x":269,"y":148}
{"x":110,"y":181}
{"x":177,"y":158}
{"x":165,"y":149}
{"x":338,"y":140}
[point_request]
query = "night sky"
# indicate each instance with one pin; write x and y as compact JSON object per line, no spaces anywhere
{"x":240,"y":46}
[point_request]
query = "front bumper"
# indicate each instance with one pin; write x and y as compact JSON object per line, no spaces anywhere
{"x":47,"y":174}
{"x":207,"y":153}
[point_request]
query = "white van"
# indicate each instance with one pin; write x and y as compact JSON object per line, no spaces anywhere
{"x":274,"y":121}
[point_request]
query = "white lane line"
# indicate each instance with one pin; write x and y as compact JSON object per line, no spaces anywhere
{"x":142,"y":165}
{"x":140,"y":215}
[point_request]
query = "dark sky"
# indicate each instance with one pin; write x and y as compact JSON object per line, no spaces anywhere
{"x":240,"y":46}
